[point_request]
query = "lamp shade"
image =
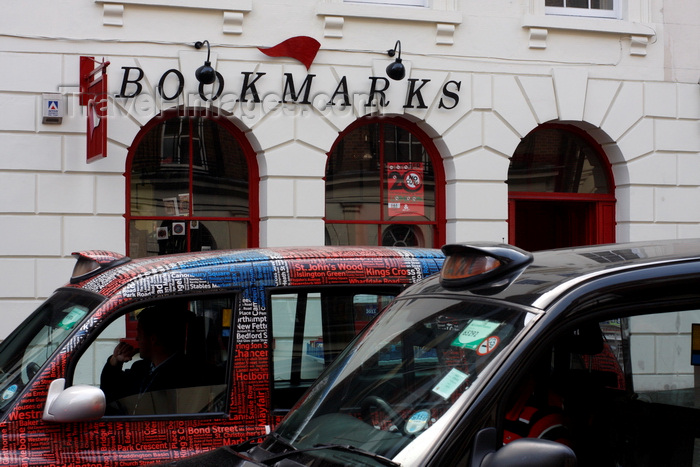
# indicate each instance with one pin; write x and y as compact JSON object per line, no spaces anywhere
{"x":396,"y":70}
{"x":205,"y":74}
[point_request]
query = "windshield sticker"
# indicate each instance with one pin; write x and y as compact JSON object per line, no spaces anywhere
{"x":417,"y":422}
{"x":9,"y":392}
{"x":72,"y":318}
{"x":488,"y":345}
{"x":475,"y":333}
{"x":449,"y":383}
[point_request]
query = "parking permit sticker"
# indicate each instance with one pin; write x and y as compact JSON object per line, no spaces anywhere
{"x":73,"y":316}
{"x":488,"y":345}
{"x":449,"y":383}
{"x":475,"y":333}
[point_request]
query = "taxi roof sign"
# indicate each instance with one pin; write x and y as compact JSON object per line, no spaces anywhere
{"x":481,"y":264}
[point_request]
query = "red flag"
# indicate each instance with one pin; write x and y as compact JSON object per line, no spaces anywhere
{"x":302,"y":48}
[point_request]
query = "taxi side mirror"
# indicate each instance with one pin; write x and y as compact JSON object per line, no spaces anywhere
{"x":77,"y":403}
{"x":531,"y":452}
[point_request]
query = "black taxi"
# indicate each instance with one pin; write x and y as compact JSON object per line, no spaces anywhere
{"x":136,"y":361}
{"x":586,"y":356}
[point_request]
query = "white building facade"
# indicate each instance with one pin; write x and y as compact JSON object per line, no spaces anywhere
{"x":279,"y":151}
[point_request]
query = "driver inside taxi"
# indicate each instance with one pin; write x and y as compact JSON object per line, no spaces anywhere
{"x":164,"y":364}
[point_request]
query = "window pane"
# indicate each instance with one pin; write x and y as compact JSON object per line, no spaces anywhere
{"x":160,"y":170}
{"x":352,"y":234}
{"x":161,"y":174}
{"x":661,"y":353}
{"x":353,"y":176}
{"x":623,"y":391}
{"x":602,"y":4}
{"x":409,"y":175}
{"x":310,"y":329}
{"x":194,"y":334}
{"x":592,"y":8}
{"x":392,"y":2}
{"x":309,"y":349}
{"x":220,"y":172}
{"x":155,"y":237}
{"x":554,"y":160}
{"x":405,"y":235}
{"x":219,"y":235}
{"x":379,"y":172}
{"x":577,"y":3}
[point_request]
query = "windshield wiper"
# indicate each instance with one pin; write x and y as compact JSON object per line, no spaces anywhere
{"x":338,"y":447}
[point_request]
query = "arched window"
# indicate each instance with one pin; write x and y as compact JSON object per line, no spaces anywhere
{"x":561,"y":191}
{"x":384,"y":186}
{"x":192,"y":186}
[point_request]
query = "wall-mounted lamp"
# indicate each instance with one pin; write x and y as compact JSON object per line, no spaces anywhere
{"x":396,"y":70}
{"x":205,"y":74}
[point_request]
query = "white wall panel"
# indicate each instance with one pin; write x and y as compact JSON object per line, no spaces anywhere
{"x":93,"y":233}
{"x":30,"y":236}
{"x":40,"y":152}
{"x":19,"y":284}
{"x":66,"y":193}
{"x":18,"y":192}
{"x":18,"y":112}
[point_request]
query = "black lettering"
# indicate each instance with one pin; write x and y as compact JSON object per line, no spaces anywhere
{"x":413,"y":92}
{"x":343,"y":84}
{"x":250,"y":86}
{"x":126,"y":81}
{"x":219,"y":90}
{"x":305,"y":86}
{"x":382,"y":102}
{"x":180,"y":84}
{"x":449,"y":94}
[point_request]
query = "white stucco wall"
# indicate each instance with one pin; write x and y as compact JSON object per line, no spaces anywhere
{"x":631,"y":83}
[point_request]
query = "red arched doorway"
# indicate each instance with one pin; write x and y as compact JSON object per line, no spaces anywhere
{"x":560,"y":191}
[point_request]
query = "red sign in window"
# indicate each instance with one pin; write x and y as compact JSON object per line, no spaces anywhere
{"x":406,"y":196}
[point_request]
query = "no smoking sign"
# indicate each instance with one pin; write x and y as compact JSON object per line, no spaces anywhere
{"x":488,"y":345}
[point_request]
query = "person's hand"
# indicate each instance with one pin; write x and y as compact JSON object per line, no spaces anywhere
{"x":123,"y":352}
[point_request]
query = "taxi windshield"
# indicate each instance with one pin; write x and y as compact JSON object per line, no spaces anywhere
{"x":29,"y":346}
{"x":397,"y":380}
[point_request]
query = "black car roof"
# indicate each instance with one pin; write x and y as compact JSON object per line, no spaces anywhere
{"x":554,"y":272}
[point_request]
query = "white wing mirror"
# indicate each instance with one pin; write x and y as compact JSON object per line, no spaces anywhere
{"x":77,"y":403}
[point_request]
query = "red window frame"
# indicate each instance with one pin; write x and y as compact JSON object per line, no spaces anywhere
{"x":252,"y":220}
{"x":602,"y":205}
{"x":438,"y":224}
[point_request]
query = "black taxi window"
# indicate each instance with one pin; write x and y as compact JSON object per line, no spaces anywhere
{"x":170,"y":357}
{"x":621,"y":391}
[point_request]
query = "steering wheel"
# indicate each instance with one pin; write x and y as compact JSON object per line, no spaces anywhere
{"x":381,"y":404}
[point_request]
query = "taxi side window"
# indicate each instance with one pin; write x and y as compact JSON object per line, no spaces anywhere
{"x":170,"y":357}
{"x":619,"y":392}
{"x":309,"y":329}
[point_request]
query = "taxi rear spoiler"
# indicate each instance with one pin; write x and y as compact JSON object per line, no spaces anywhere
{"x":91,"y":263}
